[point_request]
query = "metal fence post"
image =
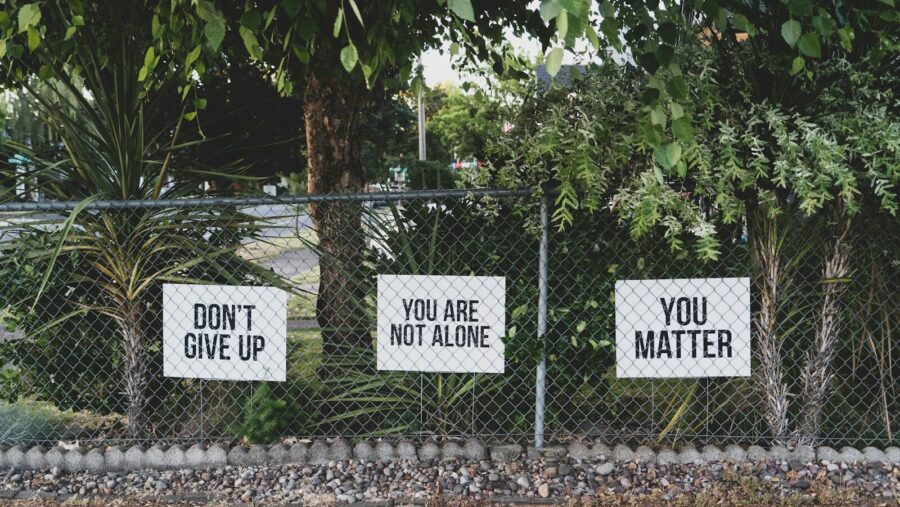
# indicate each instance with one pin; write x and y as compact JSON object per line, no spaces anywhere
{"x":540,"y":383}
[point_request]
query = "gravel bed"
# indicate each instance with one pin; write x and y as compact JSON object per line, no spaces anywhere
{"x":537,"y":480}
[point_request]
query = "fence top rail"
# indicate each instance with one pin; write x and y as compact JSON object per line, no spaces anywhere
{"x":263,"y":200}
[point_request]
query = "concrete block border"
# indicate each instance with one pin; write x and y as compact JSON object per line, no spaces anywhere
{"x":322,"y":452}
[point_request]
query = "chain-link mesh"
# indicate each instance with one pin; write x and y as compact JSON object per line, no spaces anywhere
{"x":83,"y":352}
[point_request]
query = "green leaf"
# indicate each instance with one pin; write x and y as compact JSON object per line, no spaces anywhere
{"x":797,"y":65}
{"x":356,"y":12}
{"x":215,"y":33}
{"x":677,"y":87}
{"x":743,"y":24}
{"x":554,"y":61}
{"x":44,"y":72}
{"x":4,"y":20}
{"x":336,"y":29}
{"x":846,"y":35}
{"x":549,"y":10}
{"x":790,"y":31}
{"x":78,"y":20}
{"x":659,"y":175}
{"x":349,"y":57}
{"x":190,"y":116}
{"x":607,"y":10}
{"x":668,"y":155}
{"x":610,"y":29}
{"x":562,"y":25}
{"x":29,"y":15}
{"x":682,"y":128}
{"x":2,"y":48}
{"x":142,"y":74}
{"x":251,"y":20}
{"x":668,"y":32}
{"x":70,"y":32}
{"x":251,"y":43}
{"x":463,"y":9}
{"x":34,"y":38}
{"x":809,"y":45}
{"x":149,"y":57}
{"x":291,"y":7}
{"x":454,"y":49}
{"x":192,"y":56}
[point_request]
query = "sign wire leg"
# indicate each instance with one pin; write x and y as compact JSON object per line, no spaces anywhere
{"x":541,"y":377}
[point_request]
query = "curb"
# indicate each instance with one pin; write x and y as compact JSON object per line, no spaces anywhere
{"x":321,"y":452}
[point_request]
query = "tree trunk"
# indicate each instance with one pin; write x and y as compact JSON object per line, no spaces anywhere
{"x":764,"y":248}
{"x":135,"y":368}
{"x":817,"y":371}
{"x":332,"y":104}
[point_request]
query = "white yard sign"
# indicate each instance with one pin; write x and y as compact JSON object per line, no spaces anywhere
{"x":224,"y":332}
{"x":441,"y":323}
{"x":697,"y":327}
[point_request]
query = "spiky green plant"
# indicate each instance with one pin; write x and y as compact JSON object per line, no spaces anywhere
{"x":115,"y":144}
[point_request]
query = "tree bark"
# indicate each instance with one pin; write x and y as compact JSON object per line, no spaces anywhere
{"x":332,"y":104}
{"x":135,"y":368}
{"x":764,"y":247}
{"x":817,"y":372}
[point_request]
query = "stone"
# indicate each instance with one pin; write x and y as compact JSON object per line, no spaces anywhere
{"x":756,"y":453}
{"x":644,"y":454}
{"x":474,"y":450}
{"x":600,"y":451}
{"x":364,"y":451}
{"x":298,"y":453}
{"x":155,"y":457}
{"x":544,"y":490}
{"x":3,"y":449}
{"x":429,"y":451}
{"x":384,"y":451}
{"x":605,"y":469}
{"x":407,"y":450}
{"x":55,"y":458}
{"x":689,"y":455}
{"x":196,"y":457}
{"x":451,"y":451}
{"x":873,"y":454}
{"x":15,"y":457}
{"x":893,"y":455}
{"x":318,"y":453}
{"x":779,"y":453}
{"x":340,"y":450}
{"x":34,"y":458}
{"x":279,"y":454}
{"x":736,"y":453}
{"x":134,"y":458}
{"x":95,"y":461}
{"x":712,"y":453}
{"x":258,"y":455}
{"x":506,"y":452}
{"x":804,"y":453}
{"x":578,"y":450}
{"x":622,"y":453}
{"x":667,"y":457}
{"x":851,"y":455}
{"x":175,"y":456}
{"x":74,"y":459}
{"x":237,"y":456}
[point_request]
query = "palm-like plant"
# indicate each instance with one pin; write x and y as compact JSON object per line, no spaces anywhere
{"x":114,"y":145}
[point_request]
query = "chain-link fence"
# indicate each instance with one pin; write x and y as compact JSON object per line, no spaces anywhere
{"x":123,"y":323}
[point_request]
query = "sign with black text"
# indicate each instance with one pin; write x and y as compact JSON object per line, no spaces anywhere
{"x":224,"y":332}
{"x":441,"y":324}
{"x":697,"y":327}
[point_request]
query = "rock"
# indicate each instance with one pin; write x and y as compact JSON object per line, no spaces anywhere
{"x":340,"y":450}
{"x":873,"y":454}
{"x":605,"y":469}
{"x":508,"y":452}
{"x":667,"y":457}
{"x":523,"y":482}
{"x":385,"y":451}
{"x":451,"y":451}
{"x":544,"y":490}
{"x":35,"y":458}
{"x":407,"y":450}
{"x":318,"y":454}
{"x":712,"y":453}
{"x":279,"y":454}
{"x":851,"y":455}
{"x":474,"y":450}
{"x":429,"y":452}
{"x":622,"y":453}
{"x":564,"y":469}
{"x":828,"y":454}
{"x":689,"y":455}
{"x":756,"y":454}
{"x":893,"y":455}
{"x":735,"y":453}
{"x":645,"y":454}
{"x":364,"y":451}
